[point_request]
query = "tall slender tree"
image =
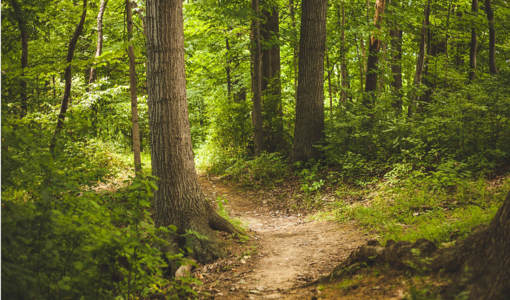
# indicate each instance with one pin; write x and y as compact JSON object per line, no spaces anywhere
{"x":22,"y":25}
{"x":396,"y":56}
{"x":178,"y":200}
{"x":272,"y":110}
{"x":309,"y":126}
{"x":343,"y":63}
{"x":474,"y":44}
{"x":256,"y":117}
{"x":373,"y":56}
{"x":99,"y":47}
{"x":421,"y":59}
{"x":132,"y":88}
{"x":68,"y":76}
{"x":492,"y":38}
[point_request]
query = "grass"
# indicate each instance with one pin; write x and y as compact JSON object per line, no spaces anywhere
{"x":419,"y":209}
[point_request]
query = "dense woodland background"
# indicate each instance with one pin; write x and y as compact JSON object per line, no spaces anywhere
{"x":408,"y":104}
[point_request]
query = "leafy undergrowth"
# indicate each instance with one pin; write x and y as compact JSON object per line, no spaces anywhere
{"x":78,"y":226}
{"x":420,"y":209}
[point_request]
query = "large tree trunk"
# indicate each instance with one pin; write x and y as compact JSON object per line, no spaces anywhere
{"x":179,"y":200}
{"x":68,"y":76}
{"x":373,"y":57}
{"x":24,"y":55}
{"x":492,"y":38}
{"x":99,"y":47}
{"x":474,"y":44}
{"x":396,"y":59}
{"x":132,"y":88}
{"x":309,"y":128}
{"x":271,"y":84}
{"x":482,"y":261}
{"x":256,"y":117}
{"x":420,"y":62}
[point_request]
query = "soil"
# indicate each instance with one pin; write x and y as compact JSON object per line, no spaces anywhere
{"x":284,"y":255}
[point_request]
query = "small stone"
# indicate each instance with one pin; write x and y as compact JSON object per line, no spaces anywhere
{"x":219,"y":294}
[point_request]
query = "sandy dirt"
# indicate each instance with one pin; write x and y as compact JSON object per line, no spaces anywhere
{"x":286,"y":252}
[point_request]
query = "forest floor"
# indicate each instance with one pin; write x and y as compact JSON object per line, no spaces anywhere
{"x":286,"y":253}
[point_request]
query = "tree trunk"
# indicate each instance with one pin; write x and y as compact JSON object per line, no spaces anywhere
{"x":68,"y":76}
{"x":373,"y":57}
{"x":420,"y":61}
{"x":487,"y":266}
{"x":329,"y":86}
{"x":482,"y":261}
{"x":132,"y":88}
{"x":474,"y":44}
{"x":99,"y":47}
{"x":24,"y":55}
{"x":271,"y":84}
{"x":309,"y":126}
{"x":179,"y":200}
{"x":343,"y":65}
{"x":396,"y":60}
{"x":295,"y":45}
{"x":492,"y":38}
{"x":256,"y":117}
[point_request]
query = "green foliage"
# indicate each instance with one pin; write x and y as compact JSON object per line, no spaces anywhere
{"x":417,"y":209}
{"x":264,"y":169}
{"x":63,"y":239}
{"x":309,"y":173}
{"x":460,"y":135}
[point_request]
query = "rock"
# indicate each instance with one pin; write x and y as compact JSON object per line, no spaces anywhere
{"x":183,"y":271}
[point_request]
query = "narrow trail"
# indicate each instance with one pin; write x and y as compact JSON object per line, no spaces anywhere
{"x":289,"y":250}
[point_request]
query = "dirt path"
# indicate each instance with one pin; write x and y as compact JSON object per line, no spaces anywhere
{"x":288,"y":250}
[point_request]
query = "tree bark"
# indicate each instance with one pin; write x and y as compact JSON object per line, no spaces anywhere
{"x":396,"y":60}
{"x":271,"y":83}
{"x":132,"y":89}
{"x":309,"y":126}
{"x":373,"y":57}
{"x":256,"y":117}
{"x":421,"y":59}
{"x":474,"y":44}
{"x":99,"y":47}
{"x":68,"y":76}
{"x":24,"y":55}
{"x":179,"y":200}
{"x":492,"y":38}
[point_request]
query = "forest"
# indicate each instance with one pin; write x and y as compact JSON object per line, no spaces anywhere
{"x":263,"y":149}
